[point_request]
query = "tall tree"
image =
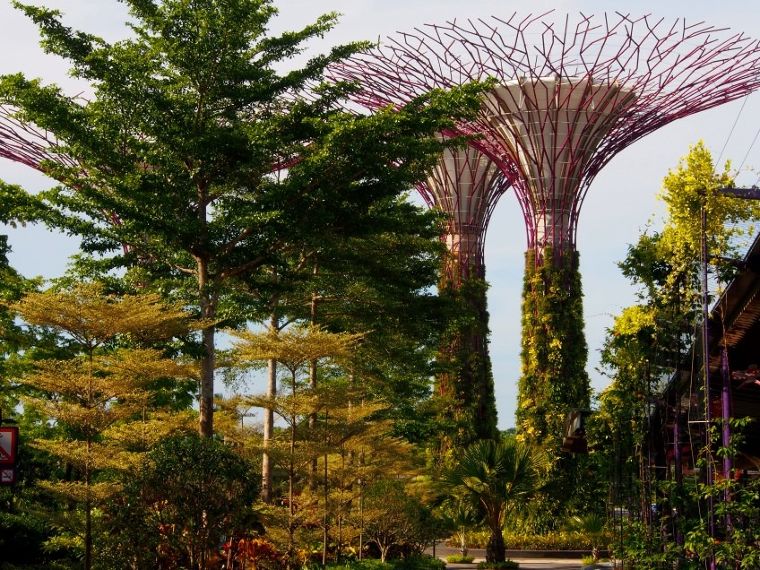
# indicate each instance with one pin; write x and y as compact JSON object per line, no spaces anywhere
{"x":99,"y":387}
{"x":295,"y":350}
{"x":174,"y":155}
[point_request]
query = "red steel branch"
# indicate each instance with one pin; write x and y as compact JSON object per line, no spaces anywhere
{"x":24,"y":143}
{"x":568,"y":96}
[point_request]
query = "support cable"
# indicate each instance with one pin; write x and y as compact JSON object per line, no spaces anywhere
{"x":731,"y":132}
{"x":752,"y":144}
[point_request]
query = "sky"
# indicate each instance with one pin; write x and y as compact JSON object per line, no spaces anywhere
{"x":619,"y":205}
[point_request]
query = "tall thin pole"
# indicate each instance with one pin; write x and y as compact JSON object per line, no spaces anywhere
{"x":726,"y":427}
{"x":706,"y":373}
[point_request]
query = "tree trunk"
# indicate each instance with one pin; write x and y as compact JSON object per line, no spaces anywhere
{"x":313,"y":386}
{"x":325,"y":511}
{"x":208,"y":360}
{"x":291,"y":478}
{"x":463,"y":541}
{"x":88,"y":527}
{"x":266,"y":466}
{"x":495,"y":550}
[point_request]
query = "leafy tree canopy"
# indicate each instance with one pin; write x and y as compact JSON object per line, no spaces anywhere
{"x":198,"y":158}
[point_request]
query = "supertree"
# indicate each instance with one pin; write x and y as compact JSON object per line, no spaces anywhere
{"x":566,"y":98}
{"x":465,"y":185}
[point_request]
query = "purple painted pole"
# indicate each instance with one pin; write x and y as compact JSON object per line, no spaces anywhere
{"x":706,"y":377}
{"x":726,"y":432}
{"x":677,"y":468}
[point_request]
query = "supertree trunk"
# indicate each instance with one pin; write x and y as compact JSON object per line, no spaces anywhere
{"x":553,"y":378}
{"x":465,"y":185}
{"x":464,"y":384}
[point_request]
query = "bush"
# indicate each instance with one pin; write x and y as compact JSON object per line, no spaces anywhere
{"x":459,"y":559}
{"x":190,"y":493}
{"x":558,"y":540}
{"x":506,"y":565}
{"x":366,"y":564}
{"x":419,"y":562}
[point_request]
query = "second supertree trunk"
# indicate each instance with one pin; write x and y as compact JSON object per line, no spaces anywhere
{"x":464,"y":384}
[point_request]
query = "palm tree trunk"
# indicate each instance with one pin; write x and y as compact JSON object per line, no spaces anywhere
{"x":495,"y":550}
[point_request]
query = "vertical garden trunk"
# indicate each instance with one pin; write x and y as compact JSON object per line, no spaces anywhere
{"x":553,"y":377}
{"x":465,"y":383}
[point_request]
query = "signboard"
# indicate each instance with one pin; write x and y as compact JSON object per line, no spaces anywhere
{"x":8,"y":445}
{"x":7,"y":475}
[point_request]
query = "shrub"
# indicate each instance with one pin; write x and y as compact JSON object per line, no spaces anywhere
{"x":419,"y":562}
{"x":506,"y":565}
{"x":190,"y":493}
{"x":366,"y":564}
{"x":558,"y":540}
{"x":459,"y":559}
{"x":416,"y":562}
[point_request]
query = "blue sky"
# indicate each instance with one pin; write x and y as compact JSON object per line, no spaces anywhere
{"x":621,"y":201}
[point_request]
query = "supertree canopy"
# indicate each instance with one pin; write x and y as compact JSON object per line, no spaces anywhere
{"x":466,"y":185}
{"x":566,"y":97}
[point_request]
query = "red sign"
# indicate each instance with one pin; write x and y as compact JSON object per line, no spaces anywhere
{"x":8,"y":445}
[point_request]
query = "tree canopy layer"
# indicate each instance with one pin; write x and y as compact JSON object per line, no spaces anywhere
{"x":197,"y":157}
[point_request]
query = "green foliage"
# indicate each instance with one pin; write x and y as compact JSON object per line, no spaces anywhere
{"x":462,"y":516}
{"x":642,"y":349}
{"x":365,"y":564}
{"x":493,"y":476}
{"x":394,"y":519}
{"x":189,"y":495}
{"x":419,"y":562}
{"x":503,"y":565}
{"x":464,"y":383}
{"x":199,"y":163}
{"x":102,"y":385}
{"x":553,"y":377}
{"x":416,"y":562}
{"x":552,"y":540}
{"x":459,"y":559}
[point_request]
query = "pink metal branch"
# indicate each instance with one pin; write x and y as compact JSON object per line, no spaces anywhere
{"x":568,"y":96}
{"x":24,"y":143}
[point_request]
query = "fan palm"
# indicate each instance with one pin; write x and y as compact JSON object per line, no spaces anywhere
{"x":493,"y":475}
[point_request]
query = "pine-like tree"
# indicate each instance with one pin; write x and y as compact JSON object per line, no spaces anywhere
{"x":102,"y":386}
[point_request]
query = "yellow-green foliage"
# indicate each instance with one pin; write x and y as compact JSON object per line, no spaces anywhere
{"x":294,"y":348}
{"x":91,"y":318}
{"x":694,"y":183}
{"x":98,"y":397}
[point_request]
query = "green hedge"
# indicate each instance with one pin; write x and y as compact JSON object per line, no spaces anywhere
{"x":422,"y":562}
{"x":560,"y":540}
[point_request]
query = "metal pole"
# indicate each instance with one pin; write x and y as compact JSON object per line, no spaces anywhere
{"x":706,"y":372}
{"x":726,"y":431}
{"x":677,"y":471}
